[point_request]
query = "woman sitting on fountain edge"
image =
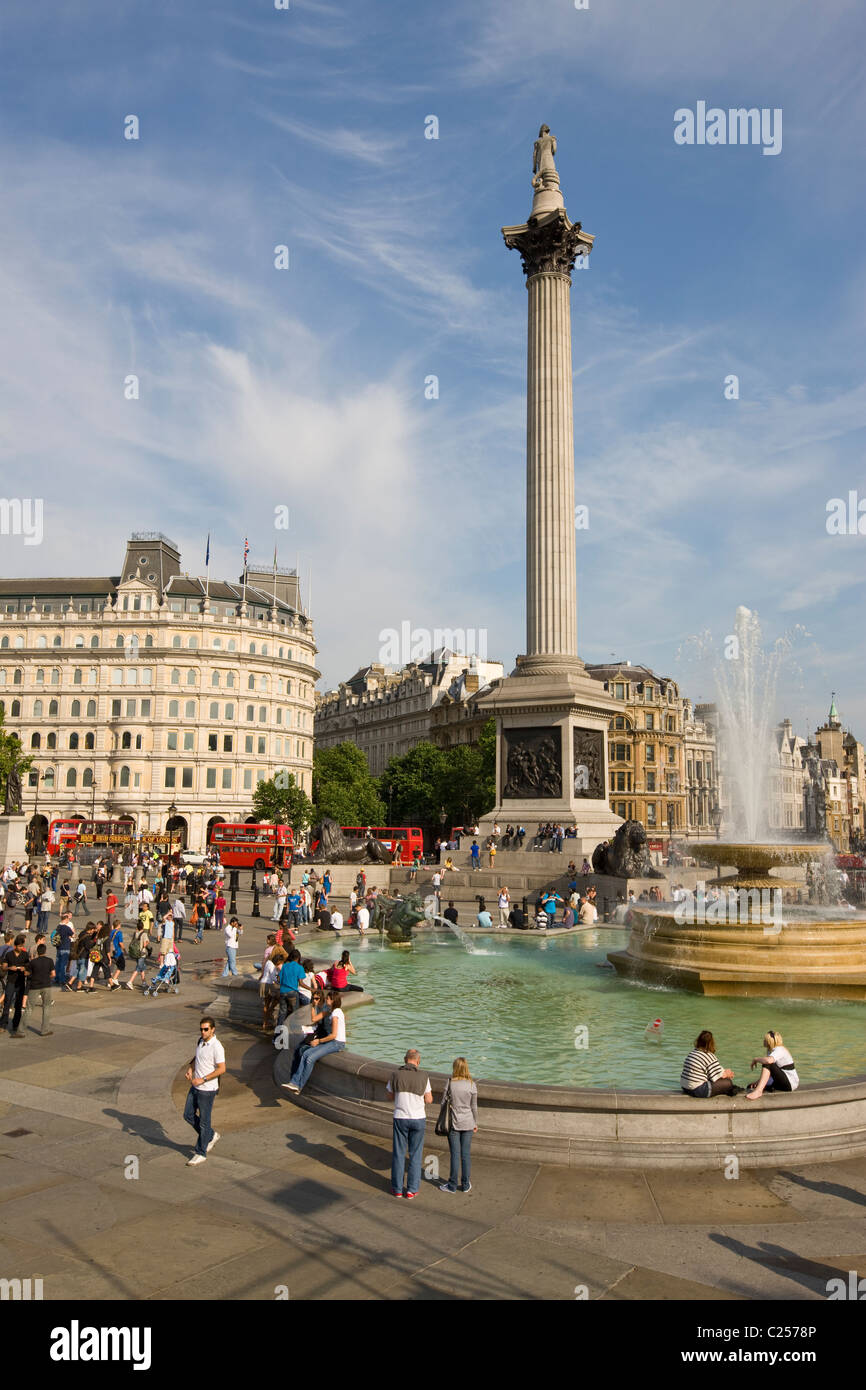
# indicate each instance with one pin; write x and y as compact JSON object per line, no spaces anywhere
{"x":778,"y":1072}
{"x":703,"y":1074}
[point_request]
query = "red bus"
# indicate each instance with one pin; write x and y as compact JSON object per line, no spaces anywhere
{"x":253,"y":846}
{"x":409,"y":838}
{"x":100,"y":834}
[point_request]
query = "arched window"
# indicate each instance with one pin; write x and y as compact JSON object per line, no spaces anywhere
{"x":175,"y":677}
{"x":189,"y":709}
{"x":124,"y":776}
{"x":230,"y":680}
{"x":193,"y":644}
{"x":230,"y":711}
{"x":175,"y":641}
{"x":40,"y":675}
{"x":232,"y":646}
{"x":263,"y":714}
{"x":265,"y":649}
{"x":217,"y":641}
{"x":51,"y":741}
{"x":16,"y":709}
{"x":53,"y":708}
{"x":138,"y":740}
{"x":214,"y":711}
{"x":37,"y":709}
{"x":16,"y":676}
{"x":173,"y":709}
{"x":92,"y":676}
{"x":58,"y":642}
{"x":48,"y":779}
{"x":79,"y":641}
{"x":126,"y":741}
{"x":55,"y":676}
{"x":252,"y":648}
{"x":89,"y":741}
{"x":77,"y":676}
{"x":94,"y":641}
{"x":251,"y":683}
{"x":279,"y":716}
{"x":87,"y":777}
{"x":148,"y":641}
{"x":71,"y":777}
{"x":41,"y":641}
{"x":35,"y":740}
{"x":132,"y":647}
{"x":19,"y":642}
{"x":119,"y":642}
{"x":4,"y":642}
{"x":263,"y":684}
{"x":75,"y":711}
{"x":215,"y":678}
{"x":73,"y":743}
{"x":91,"y":708}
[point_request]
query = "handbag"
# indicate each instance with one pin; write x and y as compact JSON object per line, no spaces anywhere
{"x":445,"y":1121}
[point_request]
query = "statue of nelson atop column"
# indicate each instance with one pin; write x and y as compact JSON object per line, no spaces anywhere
{"x":542,"y":157}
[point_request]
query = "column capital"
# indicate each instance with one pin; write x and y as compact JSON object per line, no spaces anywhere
{"x":549,"y":243}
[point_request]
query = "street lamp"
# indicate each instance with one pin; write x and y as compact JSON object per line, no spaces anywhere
{"x":716,"y":817}
{"x":390,"y":798}
{"x":172,"y":812}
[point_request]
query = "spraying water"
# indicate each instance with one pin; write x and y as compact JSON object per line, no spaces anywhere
{"x":746,"y":685}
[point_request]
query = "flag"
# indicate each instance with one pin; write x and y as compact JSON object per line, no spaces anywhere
{"x":246,"y":551}
{"x":207,"y":552}
{"x":275,"y":559}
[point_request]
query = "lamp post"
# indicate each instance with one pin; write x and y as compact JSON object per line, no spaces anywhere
{"x":172,"y":812}
{"x":716,"y":817}
{"x":390,"y":800}
{"x":670,"y":832}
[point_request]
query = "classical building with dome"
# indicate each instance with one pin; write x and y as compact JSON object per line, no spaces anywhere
{"x":154,"y":695}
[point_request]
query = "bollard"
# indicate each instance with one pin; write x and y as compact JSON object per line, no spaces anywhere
{"x":255,"y":912}
{"x":233,"y":892}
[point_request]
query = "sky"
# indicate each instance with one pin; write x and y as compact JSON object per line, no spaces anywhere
{"x":262,"y":388}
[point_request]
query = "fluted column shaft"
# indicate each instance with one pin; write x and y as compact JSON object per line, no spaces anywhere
{"x":551,"y":570}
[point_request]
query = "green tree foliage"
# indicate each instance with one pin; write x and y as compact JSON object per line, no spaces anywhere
{"x":344,"y":788}
{"x":10,"y":756}
{"x":460,"y":780}
{"x":282,"y":802}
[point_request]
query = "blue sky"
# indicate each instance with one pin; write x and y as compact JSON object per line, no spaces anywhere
{"x":262,"y":388}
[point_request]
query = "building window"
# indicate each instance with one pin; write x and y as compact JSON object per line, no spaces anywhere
{"x":171,"y":777}
{"x":263,"y":747}
{"x":189,"y":741}
{"x":649,"y":754}
{"x":193,"y":644}
{"x":671,"y":724}
{"x":227,"y":779}
{"x":251,"y":683}
{"x":232,"y":645}
{"x":619,"y":690}
{"x":37,"y":709}
{"x":35,"y":740}
{"x":173,"y":709}
{"x":91,"y":709}
{"x":650,"y":720}
{"x":124,"y":776}
{"x":186,"y":778}
{"x":263,"y":715}
{"x":215,"y":678}
{"x":650,"y":781}
{"x":130,"y":709}
{"x":230,"y":711}
{"x":92,"y":676}
{"x":189,"y":709}
{"x":279,"y":716}
{"x":75,"y":710}
{"x":672,"y":755}
{"x":214,"y":710}
{"x":228,"y":743}
{"x":171,"y":741}
{"x":175,"y":677}
{"x":248,"y":743}
{"x":212,"y":743}
{"x":94,"y":641}
{"x":73,"y":743}
{"x":89,"y":741}
{"x":71,"y":777}
{"x":650,"y":692}
{"x":230,"y":680}
{"x":248,"y":780}
{"x":145,"y":709}
{"x":651,"y":813}
{"x":117,"y":675}
{"x":115,"y":709}
{"x":251,"y":712}
{"x":126,"y":740}
{"x":210,"y":778}
{"x":191,"y":678}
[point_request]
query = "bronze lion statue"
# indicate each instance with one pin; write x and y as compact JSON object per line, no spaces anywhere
{"x":626,"y":855}
{"x":332,"y":847}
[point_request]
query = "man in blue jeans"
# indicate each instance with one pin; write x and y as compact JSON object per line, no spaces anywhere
{"x":65,"y":938}
{"x":203,"y":1074}
{"x":411,"y":1091}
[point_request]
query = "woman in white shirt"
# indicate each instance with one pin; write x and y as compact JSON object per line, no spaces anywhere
{"x":335,"y":1041}
{"x":778,"y":1072}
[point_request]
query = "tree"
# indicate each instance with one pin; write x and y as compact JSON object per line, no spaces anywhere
{"x":459,"y":780}
{"x":282,"y":802}
{"x":10,"y":756}
{"x":343,"y":787}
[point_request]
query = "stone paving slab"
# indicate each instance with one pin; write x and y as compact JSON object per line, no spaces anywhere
{"x":501,"y":1264}
{"x":578,"y":1195}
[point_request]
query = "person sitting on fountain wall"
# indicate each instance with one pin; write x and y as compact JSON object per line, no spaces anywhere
{"x":703,"y":1074}
{"x":778,"y":1072}
{"x":517,"y":919}
{"x":450,"y":914}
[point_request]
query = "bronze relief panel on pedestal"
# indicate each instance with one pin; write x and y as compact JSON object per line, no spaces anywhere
{"x":532,"y":760}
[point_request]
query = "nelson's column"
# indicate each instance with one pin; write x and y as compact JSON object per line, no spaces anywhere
{"x":551,"y":717}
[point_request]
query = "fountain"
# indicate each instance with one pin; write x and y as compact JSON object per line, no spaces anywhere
{"x":743,"y":940}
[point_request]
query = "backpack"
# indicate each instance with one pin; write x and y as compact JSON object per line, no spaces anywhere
{"x":134,"y":952}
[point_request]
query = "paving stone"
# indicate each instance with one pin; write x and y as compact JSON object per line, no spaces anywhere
{"x":576,"y":1195}
{"x":711,"y":1198}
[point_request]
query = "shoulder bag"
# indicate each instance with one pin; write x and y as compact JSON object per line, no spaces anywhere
{"x":445,"y":1121}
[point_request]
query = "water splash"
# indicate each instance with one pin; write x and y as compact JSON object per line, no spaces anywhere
{"x":746,"y":683}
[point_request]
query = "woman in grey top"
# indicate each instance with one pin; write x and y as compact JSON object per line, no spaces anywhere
{"x":463,"y":1094}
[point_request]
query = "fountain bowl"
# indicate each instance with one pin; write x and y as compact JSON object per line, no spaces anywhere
{"x":754,"y":861}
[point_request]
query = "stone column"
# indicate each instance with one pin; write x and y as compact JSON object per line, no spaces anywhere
{"x":549,"y":244}
{"x":551,"y":572}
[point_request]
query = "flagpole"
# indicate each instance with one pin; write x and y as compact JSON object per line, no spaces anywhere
{"x":207,"y":569}
{"x":275,"y":576}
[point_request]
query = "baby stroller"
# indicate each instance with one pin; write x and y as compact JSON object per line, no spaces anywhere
{"x":167,"y":976}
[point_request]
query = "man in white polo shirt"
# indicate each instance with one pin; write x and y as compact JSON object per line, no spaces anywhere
{"x":203,"y":1074}
{"x":363,"y":917}
{"x":411,"y":1091}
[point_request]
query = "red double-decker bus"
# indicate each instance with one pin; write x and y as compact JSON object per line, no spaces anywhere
{"x":407,"y":837}
{"x":98,"y":834}
{"x":253,"y":846}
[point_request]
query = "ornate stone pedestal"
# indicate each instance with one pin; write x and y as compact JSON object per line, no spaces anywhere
{"x":13,"y":838}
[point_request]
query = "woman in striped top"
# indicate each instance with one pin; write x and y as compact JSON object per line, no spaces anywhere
{"x":703,"y":1074}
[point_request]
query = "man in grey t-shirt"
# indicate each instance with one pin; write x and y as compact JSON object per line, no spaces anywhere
{"x":411,"y":1091}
